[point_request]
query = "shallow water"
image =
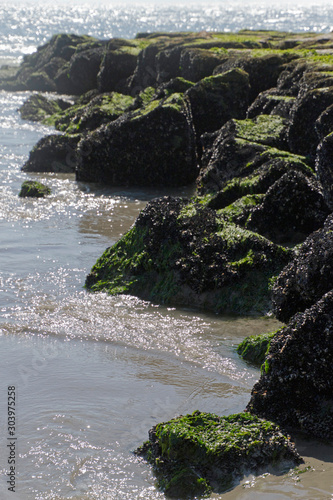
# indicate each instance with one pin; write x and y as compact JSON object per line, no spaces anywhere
{"x":93,"y":373}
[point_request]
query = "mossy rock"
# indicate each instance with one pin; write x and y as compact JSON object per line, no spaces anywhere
{"x":34,"y":189}
{"x":255,"y":347}
{"x":101,"y":109}
{"x":196,"y":454}
{"x":38,"y":108}
{"x":186,"y":254}
{"x":217,"y":99}
{"x":151,"y":146}
{"x":243,"y":146}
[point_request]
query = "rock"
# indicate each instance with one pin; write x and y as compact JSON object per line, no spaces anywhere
{"x":184,"y":253}
{"x":40,"y":69}
{"x":303,"y":138}
{"x":38,"y":107}
{"x":34,"y":189}
{"x":254,"y":348}
{"x":198,"y":63}
{"x":153,"y":146}
{"x":271,"y":102}
{"x":80,"y":75}
{"x":295,"y":388}
{"x":199,"y":453}
{"x":324,"y":123}
{"x":53,"y":153}
{"x":118,"y":64}
{"x":262,"y":66}
{"x":217,"y":99}
{"x":307,"y":277}
{"x":292,"y":208}
{"x":91,"y":114}
{"x":260,"y":179}
{"x":324,"y":168}
{"x":241,"y":147}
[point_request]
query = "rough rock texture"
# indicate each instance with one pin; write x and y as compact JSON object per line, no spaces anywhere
{"x":80,"y":75}
{"x":39,"y":71}
{"x":38,"y":107}
{"x":182,"y":253}
{"x":53,"y":153}
{"x":240,"y":147}
{"x":303,"y":138}
{"x":308,"y":277}
{"x":324,"y":168}
{"x":202,"y":452}
{"x":84,"y":116}
{"x":296,"y":385}
{"x":154,"y":146}
{"x":292,"y":208}
{"x":217,"y":99}
{"x":118,"y":64}
{"x":34,"y":189}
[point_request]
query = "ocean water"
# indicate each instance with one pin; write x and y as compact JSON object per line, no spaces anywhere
{"x":93,"y":373}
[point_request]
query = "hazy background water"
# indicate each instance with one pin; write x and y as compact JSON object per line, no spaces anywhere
{"x":93,"y":373}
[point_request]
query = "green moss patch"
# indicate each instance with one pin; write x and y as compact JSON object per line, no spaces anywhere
{"x":255,"y":347}
{"x":34,"y":189}
{"x":185,"y":254}
{"x":196,"y":454}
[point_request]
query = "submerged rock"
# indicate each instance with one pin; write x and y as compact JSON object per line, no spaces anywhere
{"x":308,"y":276}
{"x":34,"y":189}
{"x":183,"y":253}
{"x":194,"y":455}
{"x":296,"y":385}
{"x":255,"y":347}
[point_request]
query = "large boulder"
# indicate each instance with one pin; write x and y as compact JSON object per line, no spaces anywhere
{"x":196,"y":454}
{"x":53,"y":153}
{"x":296,"y":385}
{"x":308,"y":276}
{"x":184,"y":253}
{"x":292,"y":208}
{"x":118,"y":64}
{"x":153,"y":146}
{"x":39,"y":70}
{"x":241,"y":146}
{"x":217,"y":99}
{"x":303,"y":138}
{"x":80,"y":75}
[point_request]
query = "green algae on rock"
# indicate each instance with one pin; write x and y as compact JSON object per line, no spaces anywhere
{"x":197,"y":454}
{"x":38,"y":108}
{"x":34,"y":189}
{"x":100,"y":109}
{"x":255,"y":347}
{"x":152,"y":146}
{"x":184,"y":253}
